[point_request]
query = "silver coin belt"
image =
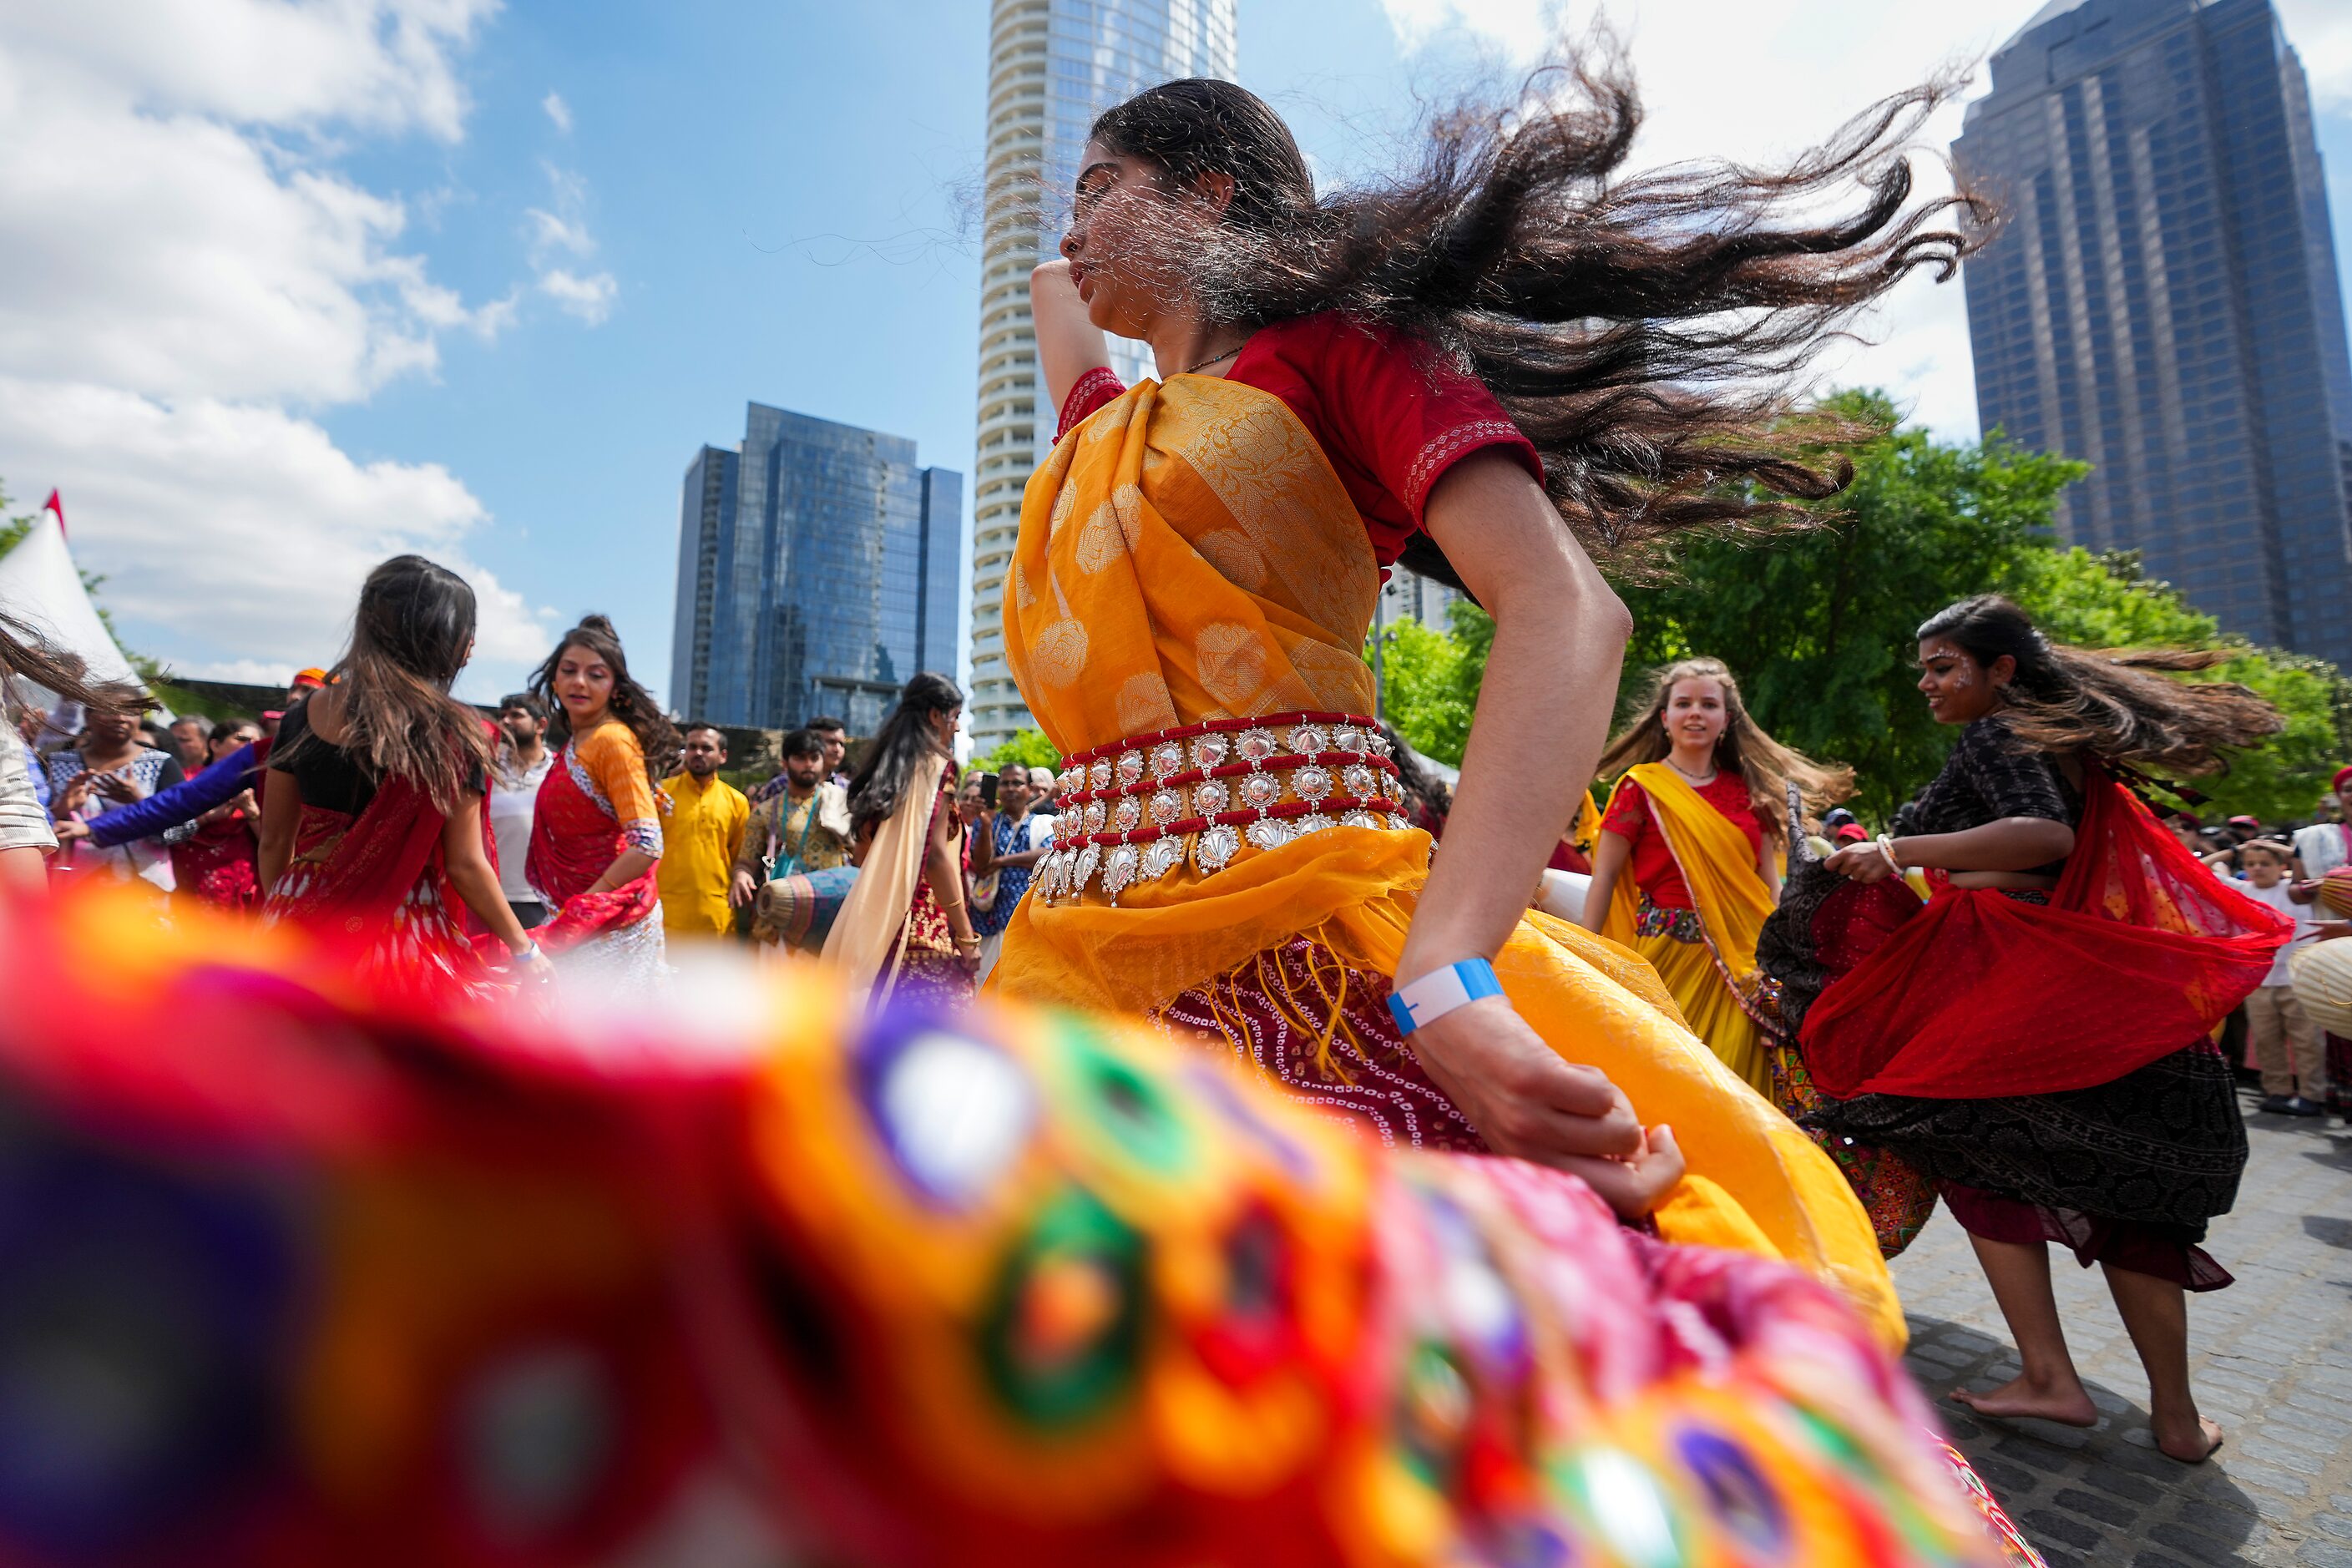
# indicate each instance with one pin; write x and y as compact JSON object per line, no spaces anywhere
{"x":1137,"y":809}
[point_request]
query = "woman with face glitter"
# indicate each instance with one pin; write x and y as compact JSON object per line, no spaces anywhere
{"x":2035,"y":1039}
{"x":1486,"y":372}
{"x":1695,"y":818}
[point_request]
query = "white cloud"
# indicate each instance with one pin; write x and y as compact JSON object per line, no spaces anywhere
{"x":185,"y":270}
{"x":588,"y":298}
{"x":244,"y":528}
{"x":564,"y":232}
{"x":557,"y":111}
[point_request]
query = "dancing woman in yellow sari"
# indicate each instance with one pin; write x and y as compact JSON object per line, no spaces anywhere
{"x":1688,"y":862}
{"x":1197,"y":566}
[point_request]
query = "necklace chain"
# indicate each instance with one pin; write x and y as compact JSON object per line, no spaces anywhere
{"x":1707,"y":777}
{"x":1197,"y":369}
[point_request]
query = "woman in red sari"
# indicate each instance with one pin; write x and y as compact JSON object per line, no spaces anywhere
{"x":595,"y":832}
{"x":374,"y":828}
{"x":2036,"y":1038}
{"x":219,"y":863}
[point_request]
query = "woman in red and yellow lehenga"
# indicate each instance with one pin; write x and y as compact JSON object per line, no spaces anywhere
{"x":1197,"y":567}
{"x":595,"y":830}
{"x":373,"y":830}
{"x":1695,"y":819}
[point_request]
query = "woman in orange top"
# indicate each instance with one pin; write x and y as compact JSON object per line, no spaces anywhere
{"x":1475,"y":374}
{"x":1697,"y":818}
{"x":595,"y":830}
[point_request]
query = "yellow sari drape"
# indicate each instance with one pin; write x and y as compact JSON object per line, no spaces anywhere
{"x":868,"y":934}
{"x":1187,"y":553}
{"x":1710,"y":982}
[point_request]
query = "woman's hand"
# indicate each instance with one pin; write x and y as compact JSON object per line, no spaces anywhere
{"x":533,"y":965}
{"x":1634,"y":1187}
{"x":1518,"y":1093}
{"x":69,"y":831}
{"x":1859,"y":863}
{"x":968,"y":955}
{"x":120,"y":788}
{"x":75,"y":796}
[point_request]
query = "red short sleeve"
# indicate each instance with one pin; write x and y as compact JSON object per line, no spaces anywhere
{"x":1628,"y":813}
{"x":1391,"y":414}
{"x":1096,"y":387}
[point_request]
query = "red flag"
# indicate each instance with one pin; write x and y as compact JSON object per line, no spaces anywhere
{"x":55,"y":506}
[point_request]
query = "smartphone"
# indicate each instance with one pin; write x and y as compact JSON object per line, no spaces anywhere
{"x":988,"y":791}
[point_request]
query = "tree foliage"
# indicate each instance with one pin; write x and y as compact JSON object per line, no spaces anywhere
{"x":1029,"y":748}
{"x":1819,"y":625}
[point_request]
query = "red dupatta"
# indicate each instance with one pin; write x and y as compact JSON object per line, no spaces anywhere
{"x":574,"y":839}
{"x":2140,"y":950}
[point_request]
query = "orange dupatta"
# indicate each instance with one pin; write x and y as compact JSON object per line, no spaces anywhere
{"x":1187,"y":553}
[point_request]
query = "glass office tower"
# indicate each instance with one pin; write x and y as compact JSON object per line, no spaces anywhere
{"x":2165,"y":305}
{"x":1053,"y":66}
{"x":816,"y":571}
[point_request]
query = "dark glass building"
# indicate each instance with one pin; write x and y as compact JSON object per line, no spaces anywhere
{"x":2164,"y":304}
{"x":816,"y":571}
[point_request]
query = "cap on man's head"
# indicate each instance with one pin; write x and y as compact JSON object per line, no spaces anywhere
{"x":310,"y":679}
{"x":1850,"y":833}
{"x":2341,"y":775}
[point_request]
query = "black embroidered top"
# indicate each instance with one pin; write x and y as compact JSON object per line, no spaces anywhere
{"x":1984,"y":780}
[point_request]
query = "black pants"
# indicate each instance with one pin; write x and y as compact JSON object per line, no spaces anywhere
{"x":531,"y":913}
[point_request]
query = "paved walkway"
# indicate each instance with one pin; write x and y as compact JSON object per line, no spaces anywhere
{"x":2271,"y":1358}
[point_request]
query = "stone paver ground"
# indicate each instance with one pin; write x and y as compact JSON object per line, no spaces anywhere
{"x":2271,"y":1358}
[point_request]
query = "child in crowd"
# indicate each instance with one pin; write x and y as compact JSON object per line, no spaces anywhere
{"x":2295,"y":1080}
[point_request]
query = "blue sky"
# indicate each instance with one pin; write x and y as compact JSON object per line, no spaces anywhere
{"x":284,"y":287}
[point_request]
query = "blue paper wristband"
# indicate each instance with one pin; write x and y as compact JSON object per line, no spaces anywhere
{"x":1441,"y":991}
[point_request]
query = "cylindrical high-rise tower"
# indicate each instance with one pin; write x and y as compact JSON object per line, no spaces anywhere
{"x":1053,"y":66}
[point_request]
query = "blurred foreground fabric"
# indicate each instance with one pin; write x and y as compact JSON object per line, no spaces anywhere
{"x":297,"y":1270}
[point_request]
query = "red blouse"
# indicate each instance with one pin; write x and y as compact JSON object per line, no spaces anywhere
{"x":1655,"y":871}
{"x":1390,"y":412}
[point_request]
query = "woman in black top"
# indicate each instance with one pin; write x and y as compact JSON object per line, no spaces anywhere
{"x":2126,"y":1171}
{"x":373,"y":829}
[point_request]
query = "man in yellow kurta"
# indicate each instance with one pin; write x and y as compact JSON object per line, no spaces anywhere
{"x":703,"y":817}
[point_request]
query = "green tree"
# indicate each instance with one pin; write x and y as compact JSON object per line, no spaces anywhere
{"x":1818,"y":625}
{"x":1029,"y":748}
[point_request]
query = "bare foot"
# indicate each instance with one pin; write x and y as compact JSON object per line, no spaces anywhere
{"x":2189,"y":1447}
{"x":2067,"y":1404}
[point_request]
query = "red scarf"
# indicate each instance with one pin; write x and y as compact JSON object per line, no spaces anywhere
{"x":2140,"y":950}
{"x":395,"y":840}
{"x":574,"y":839}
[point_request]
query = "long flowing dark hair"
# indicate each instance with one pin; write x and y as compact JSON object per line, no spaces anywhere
{"x":24,"y":652}
{"x":904,"y":739}
{"x":632,"y":705}
{"x":1639,"y":329}
{"x":411,"y":635}
{"x":2115,"y":703}
{"x":1766,"y":765}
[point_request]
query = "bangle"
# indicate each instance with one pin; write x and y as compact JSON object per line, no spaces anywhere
{"x":529,"y":952}
{"x":1441,"y":991}
{"x":1886,"y":847}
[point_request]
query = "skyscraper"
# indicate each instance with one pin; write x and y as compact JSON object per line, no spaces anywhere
{"x":816,"y":571}
{"x":1053,"y":66}
{"x":2165,"y":304}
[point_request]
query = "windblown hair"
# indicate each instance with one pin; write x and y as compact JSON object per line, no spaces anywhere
{"x":1639,"y":329}
{"x":411,"y":635}
{"x":632,"y":705}
{"x":879,"y":785}
{"x":24,"y":653}
{"x":1768,"y":766}
{"x":2114,"y":703}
